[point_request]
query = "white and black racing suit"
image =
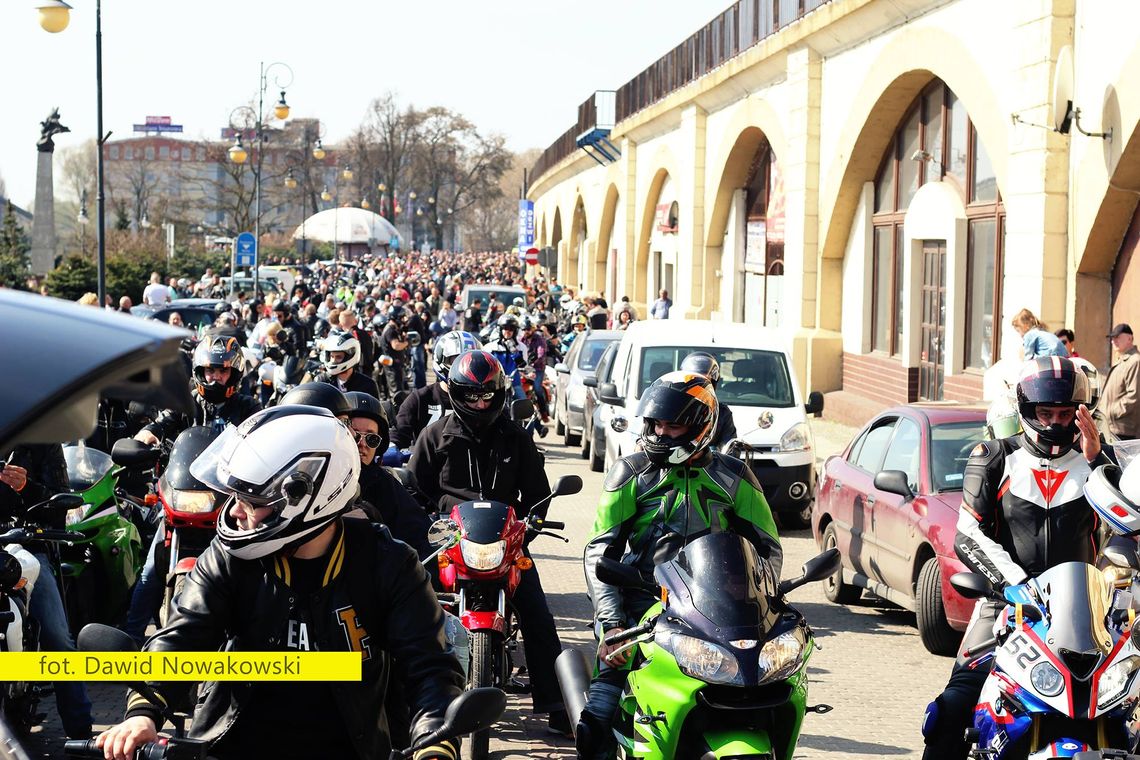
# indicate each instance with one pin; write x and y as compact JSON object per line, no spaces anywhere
{"x":1021,"y":514}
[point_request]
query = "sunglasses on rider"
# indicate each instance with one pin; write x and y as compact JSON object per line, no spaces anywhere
{"x":371,"y":440}
{"x":478,"y":396}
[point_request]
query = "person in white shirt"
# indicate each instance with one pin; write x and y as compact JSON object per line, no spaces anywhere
{"x":156,"y":294}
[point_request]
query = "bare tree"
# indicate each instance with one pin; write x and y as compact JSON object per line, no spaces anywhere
{"x":491,"y":223}
{"x":77,"y":169}
{"x":386,"y":142}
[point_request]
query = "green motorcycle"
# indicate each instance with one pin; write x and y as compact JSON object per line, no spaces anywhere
{"x":99,"y":568}
{"x":720,"y":667}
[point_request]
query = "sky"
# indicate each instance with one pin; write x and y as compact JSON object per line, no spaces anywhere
{"x":513,"y":67}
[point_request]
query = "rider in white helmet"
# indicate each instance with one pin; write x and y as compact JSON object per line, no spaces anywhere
{"x":288,"y":572}
{"x":340,"y":357}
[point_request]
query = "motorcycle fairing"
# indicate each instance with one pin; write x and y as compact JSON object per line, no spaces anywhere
{"x":1060,"y":748}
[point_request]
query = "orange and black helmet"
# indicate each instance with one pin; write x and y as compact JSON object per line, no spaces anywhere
{"x":679,"y":398}
{"x":219,"y":352}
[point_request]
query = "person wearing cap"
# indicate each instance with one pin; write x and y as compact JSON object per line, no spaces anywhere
{"x":1120,"y":405}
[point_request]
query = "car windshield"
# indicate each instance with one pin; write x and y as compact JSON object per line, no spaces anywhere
{"x":504,"y":294}
{"x":592,"y":353}
{"x":950,"y":447}
{"x":748,"y":377}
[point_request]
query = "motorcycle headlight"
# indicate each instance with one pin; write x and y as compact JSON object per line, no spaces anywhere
{"x":1114,"y":681}
{"x":193,"y":502}
{"x":797,"y":438}
{"x":781,"y":657}
{"x":482,"y":556}
{"x":1047,"y":679}
{"x":704,"y":660}
{"x":76,"y":514}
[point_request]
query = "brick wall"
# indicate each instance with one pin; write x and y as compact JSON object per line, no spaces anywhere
{"x":879,"y":378}
{"x":967,"y":387}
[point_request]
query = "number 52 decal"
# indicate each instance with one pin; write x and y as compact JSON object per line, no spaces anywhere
{"x":1025,"y":650}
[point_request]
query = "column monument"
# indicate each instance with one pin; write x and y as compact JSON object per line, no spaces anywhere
{"x":43,"y":223}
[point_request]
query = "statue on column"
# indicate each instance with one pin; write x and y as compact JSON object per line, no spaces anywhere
{"x":43,"y":253}
{"x":49,"y":128}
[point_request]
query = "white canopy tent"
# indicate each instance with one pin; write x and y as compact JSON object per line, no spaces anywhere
{"x":354,"y":228}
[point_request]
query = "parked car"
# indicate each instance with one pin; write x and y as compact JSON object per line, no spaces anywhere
{"x":504,"y":294}
{"x":759,"y":385}
{"x":595,"y":414}
{"x":580,"y":362}
{"x":197,"y":313}
{"x":890,"y":503}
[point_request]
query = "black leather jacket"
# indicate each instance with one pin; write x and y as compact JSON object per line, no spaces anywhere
{"x":234,"y":411}
{"x":422,"y":407}
{"x":243,"y":605}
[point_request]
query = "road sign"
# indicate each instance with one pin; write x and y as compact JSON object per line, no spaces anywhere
{"x":532,"y":256}
{"x":245,"y":246}
{"x":526,"y":226}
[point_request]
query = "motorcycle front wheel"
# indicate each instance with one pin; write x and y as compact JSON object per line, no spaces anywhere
{"x":483,"y":658}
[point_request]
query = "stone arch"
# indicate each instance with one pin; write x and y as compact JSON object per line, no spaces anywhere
{"x":904,"y":67}
{"x":579,"y":238}
{"x":637,"y":276}
{"x":542,"y":231}
{"x":599,"y":266}
{"x":556,"y":238}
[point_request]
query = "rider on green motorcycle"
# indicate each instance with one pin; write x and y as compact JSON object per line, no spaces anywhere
{"x":675,"y":485}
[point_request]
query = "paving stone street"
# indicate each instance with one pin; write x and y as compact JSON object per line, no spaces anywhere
{"x":871,"y":666}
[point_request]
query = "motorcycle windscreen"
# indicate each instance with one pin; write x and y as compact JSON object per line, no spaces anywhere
{"x":188,"y":446}
{"x":483,"y":521}
{"x":86,"y":465}
{"x":722,"y":577}
{"x":1077,"y":598}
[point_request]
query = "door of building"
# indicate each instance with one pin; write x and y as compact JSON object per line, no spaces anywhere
{"x":932,"y":360}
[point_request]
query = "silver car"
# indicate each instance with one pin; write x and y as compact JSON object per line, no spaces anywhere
{"x":579,"y":363}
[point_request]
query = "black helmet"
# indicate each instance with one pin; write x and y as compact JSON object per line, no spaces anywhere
{"x":220,"y":352}
{"x":396,"y":313}
{"x":1050,"y":381}
{"x":288,"y":374}
{"x":681,"y":398}
{"x":367,"y":405}
{"x":323,"y":395}
{"x":703,"y":364}
{"x":450,"y":345}
{"x":473,"y":374}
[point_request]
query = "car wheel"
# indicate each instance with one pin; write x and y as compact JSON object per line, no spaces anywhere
{"x":797,"y":519}
{"x":933,"y":628}
{"x":834,"y":587}
{"x":559,"y":428}
{"x":568,"y":438}
{"x":598,"y":456}
{"x":587,"y":436}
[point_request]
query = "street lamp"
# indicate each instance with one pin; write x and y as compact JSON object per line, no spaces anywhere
{"x":290,"y":181}
{"x":364,"y":204}
{"x":346,"y":172}
{"x":238,"y":154}
{"x":83,"y":220}
{"x":326,"y":196}
{"x":319,"y":151}
{"x":54,"y":18}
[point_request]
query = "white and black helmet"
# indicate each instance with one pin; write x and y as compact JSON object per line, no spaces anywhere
{"x":1115,"y":496}
{"x":340,"y":341}
{"x":299,"y":461}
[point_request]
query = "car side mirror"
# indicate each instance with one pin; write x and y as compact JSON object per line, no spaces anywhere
{"x":894,"y":481}
{"x":608,"y":394}
{"x":561,"y":367}
{"x":973,"y":586}
{"x":814,"y":405}
{"x":590,"y":381}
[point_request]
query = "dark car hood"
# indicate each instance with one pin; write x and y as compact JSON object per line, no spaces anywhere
{"x":60,"y":357}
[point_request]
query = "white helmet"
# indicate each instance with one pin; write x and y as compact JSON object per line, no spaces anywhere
{"x":1003,"y":420}
{"x":300,"y":461}
{"x":340,"y":341}
{"x":266,"y":371}
{"x":1093,"y":377}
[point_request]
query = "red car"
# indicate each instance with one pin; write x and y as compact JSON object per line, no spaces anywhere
{"x":890,"y":503}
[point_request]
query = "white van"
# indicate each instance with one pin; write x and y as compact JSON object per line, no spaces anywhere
{"x":758,"y":383}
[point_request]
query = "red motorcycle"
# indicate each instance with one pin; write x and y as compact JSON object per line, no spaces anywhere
{"x":481,"y":562}
{"x":190,"y":512}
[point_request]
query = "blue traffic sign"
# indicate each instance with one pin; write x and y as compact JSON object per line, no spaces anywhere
{"x":245,"y":246}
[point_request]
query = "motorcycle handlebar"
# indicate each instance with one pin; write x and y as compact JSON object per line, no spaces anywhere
{"x":553,"y":525}
{"x":27,"y":535}
{"x":173,"y":749}
{"x":631,"y":633}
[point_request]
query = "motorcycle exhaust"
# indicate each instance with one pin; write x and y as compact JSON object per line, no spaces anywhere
{"x":574,"y":680}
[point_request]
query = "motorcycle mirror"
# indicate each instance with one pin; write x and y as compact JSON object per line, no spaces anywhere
{"x":64,"y":502}
{"x":1122,"y":556}
{"x":127,"y":452}
{"x":443,"y":532}
{"x":815,"y":569}
{"x":567,"y":485}
{"x":96,"y":637}
{"x":972,"y":585}
{"x":521,"y":409}
{"x":473,"y":710}
{"x":615,"y":573}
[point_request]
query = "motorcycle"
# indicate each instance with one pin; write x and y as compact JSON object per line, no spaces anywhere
{"x":19,"y":574}
{"x":100,"y":565}
{"x":720,"y":662}
{"x":471,"y":711}
{"x":190,"y":512}
{"x":481,"y":562}
{"x":1062,"y":665}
